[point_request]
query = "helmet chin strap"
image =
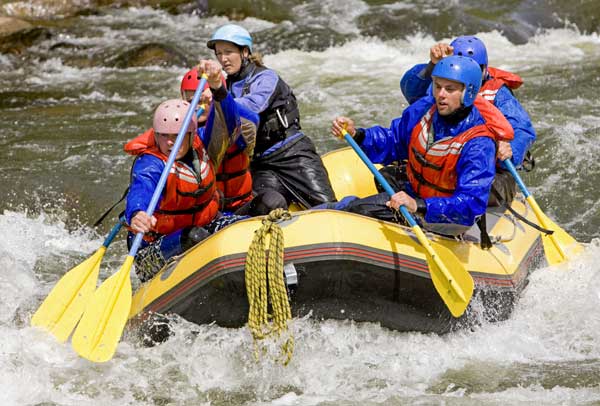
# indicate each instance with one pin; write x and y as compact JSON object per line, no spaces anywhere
{"x":245,"y":58}
{"x":245,"y":62}
{"x":484,"y":73}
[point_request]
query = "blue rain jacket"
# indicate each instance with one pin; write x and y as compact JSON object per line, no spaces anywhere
{"x":475,"y":168}
{"x":262,"y":89}
{"x":416,"y":84}
{"x":262,"y":86}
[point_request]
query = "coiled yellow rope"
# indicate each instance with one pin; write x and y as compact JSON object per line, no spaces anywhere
{"x":265,"y":284}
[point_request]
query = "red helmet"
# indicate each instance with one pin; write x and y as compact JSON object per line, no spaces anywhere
{"x":190,"y":82}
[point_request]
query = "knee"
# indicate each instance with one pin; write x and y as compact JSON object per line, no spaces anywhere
{"x":192,"y":236}
{"x":342,"y":205}
{"x":266,"y":201}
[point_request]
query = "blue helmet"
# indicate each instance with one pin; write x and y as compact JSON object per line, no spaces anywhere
{"x":231,"y":33}
{"x":460,"y":69}
{"x":471,"y":46}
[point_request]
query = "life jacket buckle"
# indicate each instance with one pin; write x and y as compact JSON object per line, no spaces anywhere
{"x":283,"y":120}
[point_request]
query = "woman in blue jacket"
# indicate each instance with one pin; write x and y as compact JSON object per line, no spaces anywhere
{"x":284,"y":159}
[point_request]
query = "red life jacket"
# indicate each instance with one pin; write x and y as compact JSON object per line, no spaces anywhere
{"x":499,"y":78}
{"x":189,"y":198}
{"x":234,"y":179}
{"x":431,"y":169}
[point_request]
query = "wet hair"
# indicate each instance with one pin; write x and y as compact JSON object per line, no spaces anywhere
{"x":256,"y":58}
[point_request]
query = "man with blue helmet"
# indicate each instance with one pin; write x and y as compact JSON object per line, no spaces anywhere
{"x":450,"y":153}
{"x":497,"y":86}
{"x":285,"y":159}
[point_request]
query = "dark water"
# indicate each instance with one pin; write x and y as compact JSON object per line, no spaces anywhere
{"x":66,"y":111}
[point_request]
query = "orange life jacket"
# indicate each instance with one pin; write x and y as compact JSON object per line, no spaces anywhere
{"x":499,"y":78}
{"x":431,"y":169}
{"x":190,"y":197}
{"x":234,"y":179}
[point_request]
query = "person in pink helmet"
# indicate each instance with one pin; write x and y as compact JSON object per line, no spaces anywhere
{"x":188,"y":210}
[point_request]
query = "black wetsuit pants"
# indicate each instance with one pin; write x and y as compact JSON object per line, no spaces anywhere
{"x":296,"y":171}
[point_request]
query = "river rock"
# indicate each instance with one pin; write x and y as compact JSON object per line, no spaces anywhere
{"x":17,"y":34}
{"x":45,"y":9}
{"x":269,"y":10}
{"x":290,"y":36}
{"x":150,"y":54}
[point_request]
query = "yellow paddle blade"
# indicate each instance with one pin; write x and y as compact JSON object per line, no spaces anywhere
{"x":449,"y":276}
{"x":558,"y":245}
{"x":103,"y":321}
{"x":62,"y":308}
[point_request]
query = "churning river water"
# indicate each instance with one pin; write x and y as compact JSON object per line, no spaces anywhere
{"x":62,"y":129}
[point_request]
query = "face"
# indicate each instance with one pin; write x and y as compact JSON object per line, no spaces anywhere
{"x":166,"y":141}
{"x":229,"y":56}
{"x":448,"y":95}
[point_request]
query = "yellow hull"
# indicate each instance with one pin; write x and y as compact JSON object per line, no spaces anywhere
{"x":349,"y":266}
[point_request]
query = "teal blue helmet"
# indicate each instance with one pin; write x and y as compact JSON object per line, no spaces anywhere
{"x":461,"y":69}
{"x":231,"y":33}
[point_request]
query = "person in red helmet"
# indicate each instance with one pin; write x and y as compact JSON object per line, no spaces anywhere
{"x":234,"y":180}
{"x":189,"y":84}
{"x":188,"y":210}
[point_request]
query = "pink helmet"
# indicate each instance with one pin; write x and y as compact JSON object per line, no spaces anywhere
{"x":169,"y":115}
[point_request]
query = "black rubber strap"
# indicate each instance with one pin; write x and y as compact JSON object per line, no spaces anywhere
{"x":99,"y":221}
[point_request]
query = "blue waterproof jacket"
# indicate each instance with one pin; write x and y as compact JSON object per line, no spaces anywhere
{"x":221,"y":126}
{"x":261,"y":90}
{"x":416,"y":83}
{"x":261,"y":85}
{"x":475,"y":168}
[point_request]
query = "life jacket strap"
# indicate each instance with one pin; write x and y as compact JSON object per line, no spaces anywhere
{"x":191,"y":210}
{"x":225,"y":176}
{"x":196,"y":193}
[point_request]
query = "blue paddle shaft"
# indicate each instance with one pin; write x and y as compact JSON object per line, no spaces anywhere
{"x":113,"y":233}
{"x":513,"y":171}
{"x":165,"y":173}
{"x":409,"y":218}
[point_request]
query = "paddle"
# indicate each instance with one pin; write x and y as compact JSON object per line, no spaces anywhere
{"x":451,"y":280}
{"x":64,"y":305}
{"x":102,"y":324}
{"x":557,"y":244}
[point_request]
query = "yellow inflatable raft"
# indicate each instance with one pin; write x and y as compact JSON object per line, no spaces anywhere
{"x":346,"y":266}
